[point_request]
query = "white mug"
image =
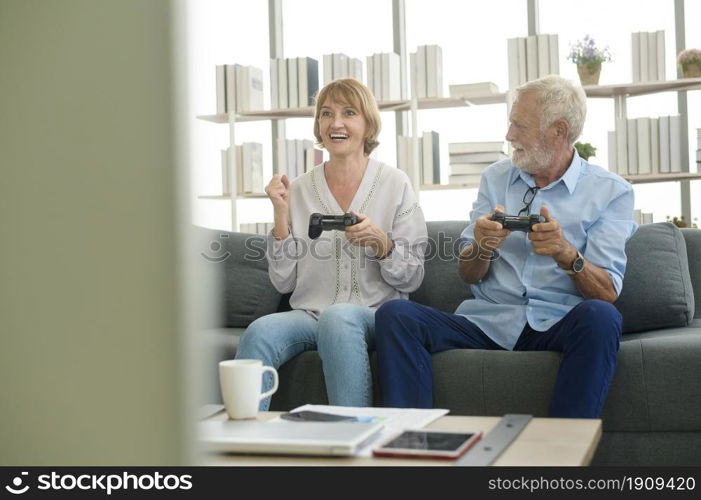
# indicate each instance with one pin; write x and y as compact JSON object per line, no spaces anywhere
{"x":241,"y":381}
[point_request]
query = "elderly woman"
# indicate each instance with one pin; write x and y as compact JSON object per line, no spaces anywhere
{"x":339,"y":279}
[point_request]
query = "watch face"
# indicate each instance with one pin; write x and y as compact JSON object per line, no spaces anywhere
{"x":578,"y":264}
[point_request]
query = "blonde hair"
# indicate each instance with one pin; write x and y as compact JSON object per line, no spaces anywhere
{"x":351,"y":91}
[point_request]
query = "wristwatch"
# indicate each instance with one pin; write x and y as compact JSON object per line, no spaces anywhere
{"x":577,"y":265}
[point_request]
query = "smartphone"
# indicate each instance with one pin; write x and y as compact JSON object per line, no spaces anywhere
{"x":315,"y":416}
{"x":428,"y":444}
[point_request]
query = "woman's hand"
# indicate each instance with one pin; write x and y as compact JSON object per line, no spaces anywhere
{"x":367,"y":234}
{"x":278,"y":190}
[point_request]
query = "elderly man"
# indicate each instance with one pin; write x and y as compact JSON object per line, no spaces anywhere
{"x":549,"y":288}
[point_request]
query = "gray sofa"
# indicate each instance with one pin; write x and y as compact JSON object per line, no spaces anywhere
{"x":653,"y":412}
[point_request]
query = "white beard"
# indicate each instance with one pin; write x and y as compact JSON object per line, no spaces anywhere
{"x":535,"y":160}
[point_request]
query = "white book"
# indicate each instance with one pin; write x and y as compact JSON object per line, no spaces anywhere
{"x":422,"y":91}
{"x":543,"y":43}
{"x":644,"y":61}
{"x":282,"y":83}
{"x":427,"y":158}
{"x":531,"y":58}
{"x":356,"y":69}
{"x":612,"y":151}
{"x":245,"y":168}
{"x":622,"y":146}
{"x":292,"y":84}
{"x":512,"y":53}
{"x":554,"y":55}
{"x":647,"y":218}
{"x":644,"y":147}
{"x":220,"y":80}
{"x":258,"y":183}
{"x":434,"y":71}
{"x":403,"y":152}
{"x":638,"y":216}
{"x":660,"y":56}
{"x":309,"y":159}
{"x":274,"y":102}
{"x":414,"y":73}
{"x":473,"y":179}
{"x":308,"y":77}
{"x":241,"y":88}
{"x":652,"y":56}
{"x":654,"y":146}
{"x":291,"y":150}
{"x":371,"y":75}
{"x":232,"y":87}
{"x":256,"y":89}
{"x":225,"y":187}
{"x":306,"y":146}
{"x":475,"y":147}
{"x":675,"y":150}
{"x":522,"y":61}
{"x":635,"y":58}
{"x":281,"y":167}
{"x":468,"y":168}
{"x":391,"y":83}
{"x":665,"y":157}
{"x":236,"y":169}
{"x":632,"y":146}
{"x":328,"y":68}
{"x":698,"y":136}
{"x":491,"y":156}
{"x":377,"y":75}
{"x":340,"y":66}
{"x":467,"y":90}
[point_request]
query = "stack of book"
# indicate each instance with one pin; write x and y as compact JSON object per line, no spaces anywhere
{"x":698,"y":150}
{"x":468,"y":160}
{"x":641,"y":217}
{"x":532,"y":57}
{"x":262,"y":228}
{"x":297,"y":156}
{"x":384,"y":79}
{"x":249,"y":169}
{"x":648,"y":56}
{"x":342,"y":66}
{"x":428,"y":158}
{"x":645,"y":146}
{"x":293,"y":82}
{"x":426,"y":66}
{"x":468,"y":90}
{"x":239,"y":88}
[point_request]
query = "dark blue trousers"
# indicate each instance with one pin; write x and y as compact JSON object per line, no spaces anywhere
{"x":407,"y":333}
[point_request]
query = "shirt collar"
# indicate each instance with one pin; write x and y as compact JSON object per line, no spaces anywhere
{"x":570,"y":177}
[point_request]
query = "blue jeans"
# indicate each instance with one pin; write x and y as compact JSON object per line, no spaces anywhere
{"x":343,"y":335}
{"x":408,"y":333}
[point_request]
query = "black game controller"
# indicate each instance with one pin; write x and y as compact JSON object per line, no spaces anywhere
{"x":320,"y":222}
{"x":518,"y":222}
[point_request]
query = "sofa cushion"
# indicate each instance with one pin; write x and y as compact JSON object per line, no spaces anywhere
{"x":442,"y":287}
{"x":693,"y":250}
{"x":657,"y":289}
{"x":239,"y":264}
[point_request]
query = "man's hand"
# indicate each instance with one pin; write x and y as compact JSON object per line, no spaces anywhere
{"x":489,"y":234}
{"x":367,"y":234}
{"x":547,"y":239}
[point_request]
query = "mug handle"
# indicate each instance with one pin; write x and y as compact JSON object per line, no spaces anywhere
{"x":275,"y":381}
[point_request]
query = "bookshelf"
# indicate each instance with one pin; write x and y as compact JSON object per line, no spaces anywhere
{"x":406,"y":109}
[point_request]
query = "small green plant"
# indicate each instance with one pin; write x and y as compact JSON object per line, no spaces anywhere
{"x":677,"y":221}
{"x":585,"y":150}
{"x":687,"y":56}
{"x":586,"y":52}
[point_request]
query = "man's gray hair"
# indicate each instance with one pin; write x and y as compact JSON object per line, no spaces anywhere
{"x":558,"y":98}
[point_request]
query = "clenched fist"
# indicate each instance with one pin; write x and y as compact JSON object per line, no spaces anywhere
{"x":278,"y":190}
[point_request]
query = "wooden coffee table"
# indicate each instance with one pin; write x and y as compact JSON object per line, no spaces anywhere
{"x":544,"y":442}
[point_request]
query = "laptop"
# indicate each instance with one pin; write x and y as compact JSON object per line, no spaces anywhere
{"x":282,"y":437}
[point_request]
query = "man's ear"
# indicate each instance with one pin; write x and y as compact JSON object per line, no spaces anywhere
{"x":561,"y":128}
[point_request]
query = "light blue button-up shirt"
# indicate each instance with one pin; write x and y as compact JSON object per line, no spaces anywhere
{"x":594,"y":208}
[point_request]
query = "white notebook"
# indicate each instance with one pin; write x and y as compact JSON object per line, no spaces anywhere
{"x":285,"y":437}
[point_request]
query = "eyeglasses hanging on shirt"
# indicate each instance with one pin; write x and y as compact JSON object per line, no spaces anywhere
{"x":528,"y":197}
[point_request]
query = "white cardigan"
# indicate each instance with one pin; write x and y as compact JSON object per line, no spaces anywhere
{"x":329,"y":270}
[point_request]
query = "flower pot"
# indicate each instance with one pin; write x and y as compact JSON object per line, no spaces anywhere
{"x":691,"y":69}
{"x":589,"y":73}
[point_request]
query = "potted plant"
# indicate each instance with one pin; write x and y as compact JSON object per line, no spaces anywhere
{"x":689,"y":61}
{"x":588,"y":58}
{"x":585,"y":150}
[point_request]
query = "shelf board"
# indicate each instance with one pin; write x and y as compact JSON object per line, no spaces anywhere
{"x":642,"y":88}
{"x":401,"y":105}
{"x":228,"y":197}
{"x":642,"y":179}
